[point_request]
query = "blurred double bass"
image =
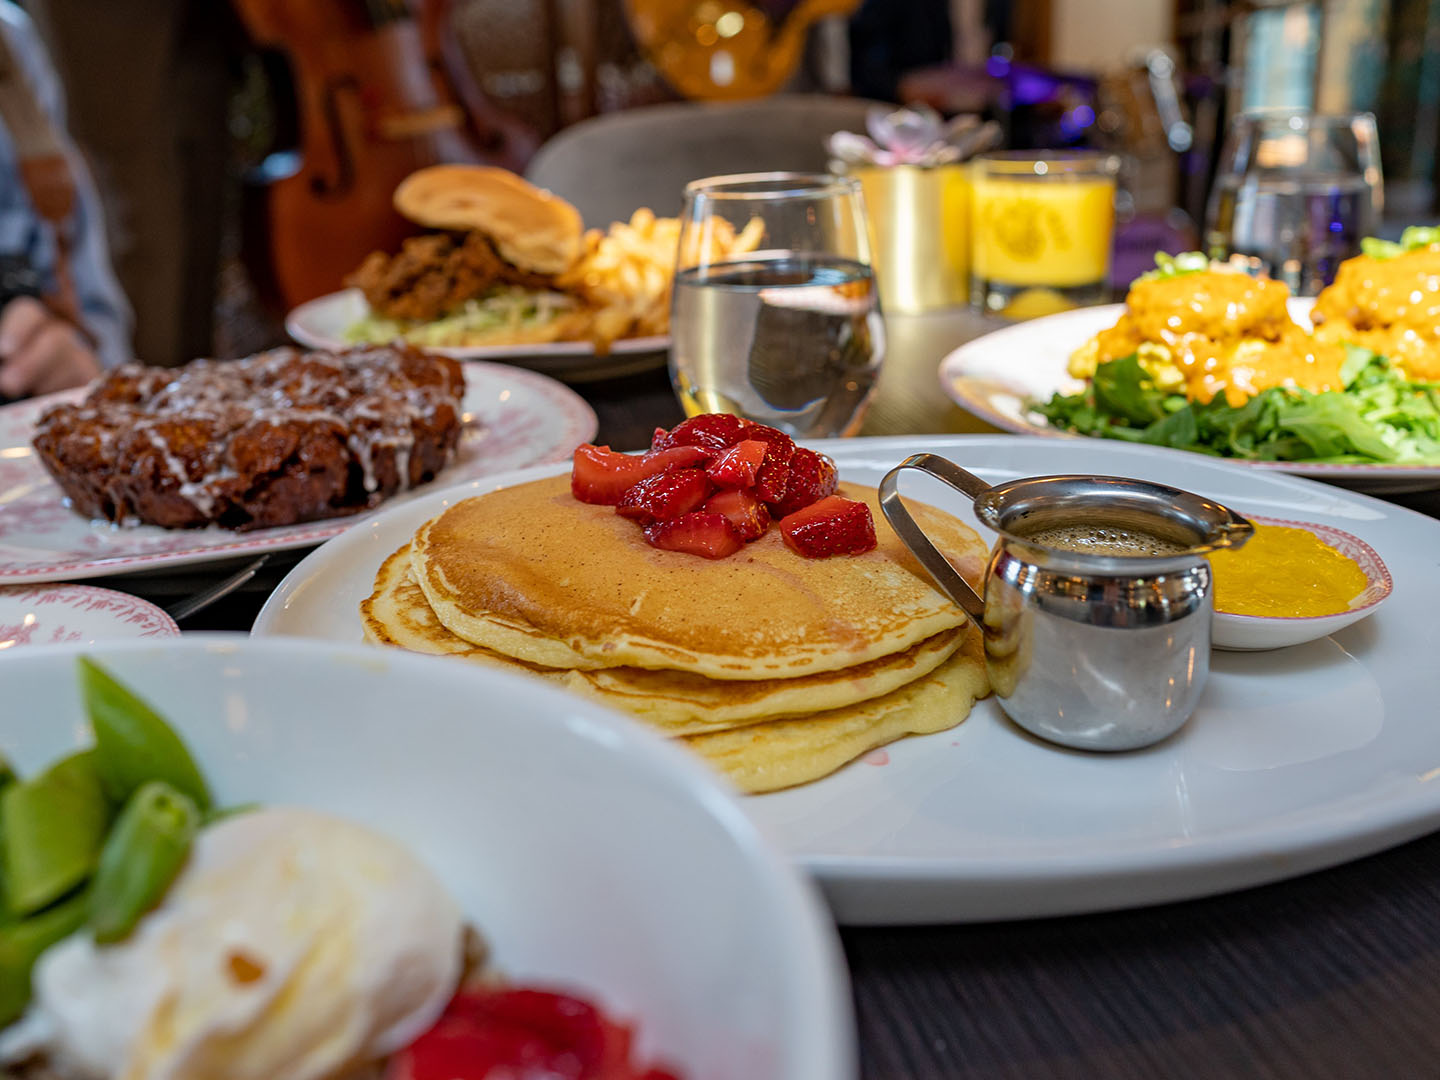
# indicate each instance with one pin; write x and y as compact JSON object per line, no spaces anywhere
{"x":378,"y":93}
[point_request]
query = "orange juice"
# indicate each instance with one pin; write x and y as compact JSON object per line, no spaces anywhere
{"x":1042,"y":223}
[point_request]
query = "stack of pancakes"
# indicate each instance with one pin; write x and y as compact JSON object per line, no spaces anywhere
{"x":776,"y":668}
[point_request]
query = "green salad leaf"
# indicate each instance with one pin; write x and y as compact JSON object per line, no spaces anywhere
{"x":1380,"y":417}
{"x":1412,"y":239}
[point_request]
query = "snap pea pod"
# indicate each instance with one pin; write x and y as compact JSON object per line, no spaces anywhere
{"x":133,"y":742}
{"x":145,"y":850}
{"x":52,"y":827}
{"x":21,"y":944}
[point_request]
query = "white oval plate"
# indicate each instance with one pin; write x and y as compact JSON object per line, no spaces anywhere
{"x":1294,"y":761}
{"x":588,"y":853}
{"x":76,"y":614}
{"x":994,"y":377}
{"x":321,"y":324}
{"x":1259,"y":632}
{"x":513,"y":418}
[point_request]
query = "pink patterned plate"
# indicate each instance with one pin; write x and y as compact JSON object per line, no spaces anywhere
{"x":1256,"y":633}
{"x":76,"y":614}
{"x":513,"y":418}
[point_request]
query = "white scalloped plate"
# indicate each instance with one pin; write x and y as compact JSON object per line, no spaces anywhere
{"x":994,"y":377}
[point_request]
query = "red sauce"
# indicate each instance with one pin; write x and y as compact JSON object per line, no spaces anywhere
{"x":522,"y":1034}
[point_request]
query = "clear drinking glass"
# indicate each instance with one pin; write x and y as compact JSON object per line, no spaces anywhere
{"x":1296,"y":191}
{"x":775,"y":315}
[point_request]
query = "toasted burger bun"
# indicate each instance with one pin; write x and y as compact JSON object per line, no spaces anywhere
{"x":531,"y":228}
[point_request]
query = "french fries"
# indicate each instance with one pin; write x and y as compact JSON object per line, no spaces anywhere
{"x":625,"y":274}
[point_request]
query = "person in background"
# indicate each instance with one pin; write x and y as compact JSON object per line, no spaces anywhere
{"x":148,"y":86}
{"x":64,"y":317}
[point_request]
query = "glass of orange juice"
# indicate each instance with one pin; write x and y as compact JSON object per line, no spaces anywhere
{"x":1042,"y":223}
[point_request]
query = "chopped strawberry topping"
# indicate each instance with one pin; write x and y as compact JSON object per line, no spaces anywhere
{"x":665,"y":495}
{"x":812,"y":477}
{"x":774,"y":472}
{"x":601,"y":475}
{"x":743,"y":510}
{"x":762,"y":476}
{"x":701,"y":533}
{"x":683,"y":456}
{"x":832,"y":526}
{"x":713,"y":431}
{"x":736,"y":466}
{"x":518,"y":1033}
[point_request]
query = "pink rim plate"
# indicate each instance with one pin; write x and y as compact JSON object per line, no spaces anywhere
{"x":513,"y":418}
{"x":1253,"y":633}
{"x":76,"y":614}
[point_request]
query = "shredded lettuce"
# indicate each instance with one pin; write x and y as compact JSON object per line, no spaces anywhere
{"x":1412,"y":239}
{"x":1167,"y":266}
{"x":477,"y":322}
{"x":1380,"y":417}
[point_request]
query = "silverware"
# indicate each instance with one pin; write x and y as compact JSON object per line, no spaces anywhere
{"x":1097,"y":652}
{"x":183,"y":609}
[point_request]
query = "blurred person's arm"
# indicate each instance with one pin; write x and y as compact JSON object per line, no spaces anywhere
{"x":39,"y":351}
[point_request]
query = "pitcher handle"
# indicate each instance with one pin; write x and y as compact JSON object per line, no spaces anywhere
{"x":945,"y":576}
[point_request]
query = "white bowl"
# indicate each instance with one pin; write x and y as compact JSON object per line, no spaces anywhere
{"x":590,"y":854}
{"x":1252,"y":633}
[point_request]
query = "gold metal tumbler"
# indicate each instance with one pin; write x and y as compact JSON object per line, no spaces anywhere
{"x":920,"y":220}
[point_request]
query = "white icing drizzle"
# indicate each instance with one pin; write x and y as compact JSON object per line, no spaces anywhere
{"x":362,"y":395}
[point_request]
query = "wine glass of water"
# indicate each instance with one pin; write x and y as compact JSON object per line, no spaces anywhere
{"x":1296,"y":192}
{"x":775,"y":315}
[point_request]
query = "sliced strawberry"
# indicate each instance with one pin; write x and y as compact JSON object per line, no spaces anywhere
{"x":744,"y":510}
{"x":774,"y":472}
{"x":812,"y":477}
{"x":702,"y":533}
{"x":517,"y":1033}
{"x":736,"y":466}
{"x":683,"y":456}
{"x":832,"y":526}
{"x":713,"y":431}
{"x":600,"y":475}
{"x":665,"y":495}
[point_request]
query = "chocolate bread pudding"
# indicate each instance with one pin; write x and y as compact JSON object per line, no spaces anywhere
{"x":278,"y":438}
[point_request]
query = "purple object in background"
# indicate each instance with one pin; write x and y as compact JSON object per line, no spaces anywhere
{"x":1137,"y":241}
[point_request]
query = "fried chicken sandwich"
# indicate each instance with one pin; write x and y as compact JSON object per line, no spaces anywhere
{"x":486,"y":273}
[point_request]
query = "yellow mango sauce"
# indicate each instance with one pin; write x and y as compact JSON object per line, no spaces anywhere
{"x":1220,"y":332}
{"x":1389,"y":305}
{"x":1285,"y":572}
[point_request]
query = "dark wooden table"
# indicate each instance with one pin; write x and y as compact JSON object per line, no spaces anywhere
{"x":1336,"y":974}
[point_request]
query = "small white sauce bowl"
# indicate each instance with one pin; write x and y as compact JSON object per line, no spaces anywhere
{"x":1253,"y":633}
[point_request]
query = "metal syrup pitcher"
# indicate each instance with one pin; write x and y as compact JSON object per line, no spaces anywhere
{"x":1098,"y":651}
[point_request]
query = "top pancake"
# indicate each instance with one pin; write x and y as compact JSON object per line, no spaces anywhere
{"x":532,"y":573}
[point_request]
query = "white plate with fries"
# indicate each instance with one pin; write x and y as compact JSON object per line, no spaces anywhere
{"x":321,"y":324}
{"x":606,"y":315}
